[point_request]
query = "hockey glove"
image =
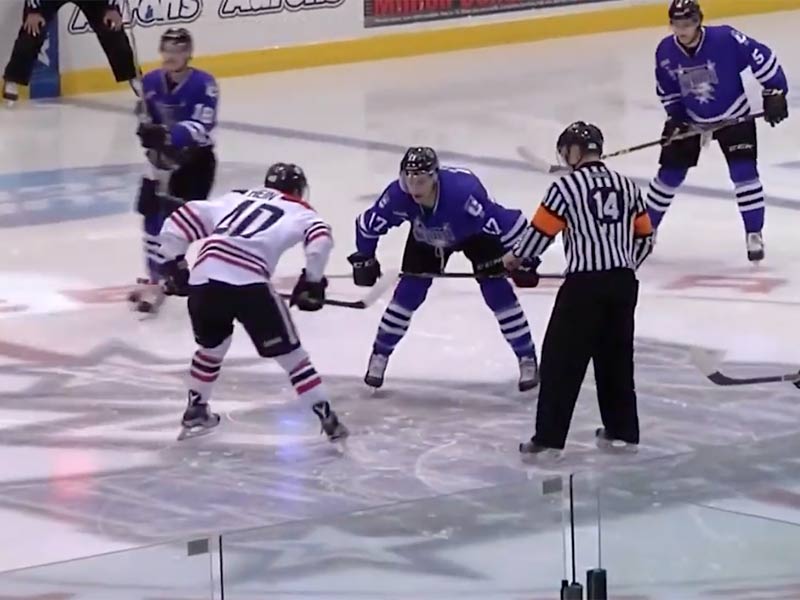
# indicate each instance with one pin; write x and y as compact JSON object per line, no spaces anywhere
{"x":176,"y":277}
{"x":525,"y":276}
{"x":147,"y":203}
{"x":153,"y":136}
{"x":775,"y":107}
{"x":308,"y":295}
{"x":672,"y":128}
{"x":366,"y":269}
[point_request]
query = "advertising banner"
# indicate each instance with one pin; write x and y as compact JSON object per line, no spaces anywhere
{"x":379,"y":13}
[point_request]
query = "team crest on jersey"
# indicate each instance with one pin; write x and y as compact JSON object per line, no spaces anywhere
{"x":438,"y":237}
{"x":230,"y":9}
{"x":145,"y":13}
{"x":698,"y":81}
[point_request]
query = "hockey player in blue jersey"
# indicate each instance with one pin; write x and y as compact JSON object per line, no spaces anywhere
{"x":449,"y":211}
{"x":177,"y":115}
{"x":699,"y":82}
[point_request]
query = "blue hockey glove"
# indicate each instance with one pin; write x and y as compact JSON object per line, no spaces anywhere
{"x":308,"y":295}
{"x":366,"y":269}
{"x":525,"y":276}
{"x":775,"y":107}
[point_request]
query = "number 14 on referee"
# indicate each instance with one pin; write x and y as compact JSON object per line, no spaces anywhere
{"x":607,"y":235}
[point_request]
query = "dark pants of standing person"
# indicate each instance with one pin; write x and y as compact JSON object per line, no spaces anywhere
{"x":115,"y":43}
{"x":592,"y":319}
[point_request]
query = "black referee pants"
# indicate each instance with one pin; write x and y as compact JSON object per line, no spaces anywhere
{"x":115,"y":43}
{"x":592,"y":319}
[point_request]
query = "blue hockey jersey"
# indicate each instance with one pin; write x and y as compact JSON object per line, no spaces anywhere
{"x":189,"y":109}
{"x":463,"y":209}
{"x":706,"y":86}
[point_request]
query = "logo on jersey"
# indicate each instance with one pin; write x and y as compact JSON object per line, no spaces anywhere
{"x":699,"y":81}
{"x":438,"y":237}
{"x":230,"y":9}
{"x":145,"y":13}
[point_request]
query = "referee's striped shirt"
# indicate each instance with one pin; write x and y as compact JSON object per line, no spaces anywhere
{"x":603,"y":219}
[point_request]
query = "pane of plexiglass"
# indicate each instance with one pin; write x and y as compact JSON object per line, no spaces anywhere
{"x":164,"y":572}
{"x":503,"y":542}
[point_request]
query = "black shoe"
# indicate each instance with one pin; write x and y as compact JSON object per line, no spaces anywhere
{"x":531,"y":447}
{"x":605,"y":442}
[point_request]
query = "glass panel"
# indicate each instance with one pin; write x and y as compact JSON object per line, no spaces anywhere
{"x":721,"y":523}
{"x":164,"y":572}
{"x":503,"y":542}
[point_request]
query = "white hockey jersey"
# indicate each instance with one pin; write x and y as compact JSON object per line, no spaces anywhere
{"x":243,"y":234}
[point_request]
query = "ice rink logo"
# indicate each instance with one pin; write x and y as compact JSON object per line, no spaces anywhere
{"x":230,"y":9}
{"x":145,"y":13}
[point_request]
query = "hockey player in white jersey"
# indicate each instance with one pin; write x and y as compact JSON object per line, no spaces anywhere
{"x":241,"y":237}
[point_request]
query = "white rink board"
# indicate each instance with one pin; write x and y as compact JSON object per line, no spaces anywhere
{"x":224,"y":26}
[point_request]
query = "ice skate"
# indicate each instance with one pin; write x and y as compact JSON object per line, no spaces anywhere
{"x":10,"y":93}
{"x":605,"y":442}
{"x":528,"y":373}
{"x":376,"y":369}
{"x":331,"y":426}
{"x":147,"y":297}
{"x":197,"y":418}
{"x":755,"y":247}
{"x":531,"y":449}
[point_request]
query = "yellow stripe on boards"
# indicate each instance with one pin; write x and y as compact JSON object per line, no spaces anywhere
{"x":412,"y":43}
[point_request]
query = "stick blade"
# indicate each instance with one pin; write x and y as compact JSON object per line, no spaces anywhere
{"x":707,"y":361}
{"x":535,"y":162}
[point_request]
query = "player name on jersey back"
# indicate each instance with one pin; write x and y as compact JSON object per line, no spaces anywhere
{"x":242,"y":235}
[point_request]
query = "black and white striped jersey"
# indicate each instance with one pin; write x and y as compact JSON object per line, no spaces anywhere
{"x":602,"y":217}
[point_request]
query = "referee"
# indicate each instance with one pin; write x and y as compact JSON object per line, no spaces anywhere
{"x":607,"y":235}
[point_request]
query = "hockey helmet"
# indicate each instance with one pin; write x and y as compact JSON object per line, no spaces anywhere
{"x":419,"y":172}
{"x":287,"y":178}
{"x":685,"y":9}
{"x":586,"y":136}
{"x":419,"y":159}
{"x":178,"y":39}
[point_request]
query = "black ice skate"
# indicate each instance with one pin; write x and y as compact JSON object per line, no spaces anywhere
{"x":147,"y":297}
{"x":376,"y":369}
{"x":755,"y":247}
{"x":534,"y":450}
{"x":10,"y":93}
{"x":331,"y":426}
{"x":528,"y":373}
{"x":605,"y":442}
{"x":197,"y":418}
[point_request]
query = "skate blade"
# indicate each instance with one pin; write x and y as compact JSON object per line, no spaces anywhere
{"x":187,"y":433}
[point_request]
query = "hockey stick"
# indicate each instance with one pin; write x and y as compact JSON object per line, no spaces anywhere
{"x":376,"y":291}
{"x":474,"y":276}
{"x":707,"y":361}
{"x":540,"y":165}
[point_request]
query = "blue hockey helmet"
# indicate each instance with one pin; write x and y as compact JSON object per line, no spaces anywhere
{"x":287,"y":178}
{"x":685,"y":9}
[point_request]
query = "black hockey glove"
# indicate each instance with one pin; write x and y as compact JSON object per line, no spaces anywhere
{"x":672,"y":128}
{"x":308,"y":295}
{"x":775,"y":107}
{"x":176,"y":277}
{"x":366,"y":269}
{"x":153,"y":136}
{"x":147,"y":203}
{"x":525,"y":276}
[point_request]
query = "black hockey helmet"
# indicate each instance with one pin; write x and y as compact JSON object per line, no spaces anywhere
{"x":419,"y":159}
{"x":586,"y":136}
{"x":178,"y":37}
{"x":685,"y":9}
{"x":287,"y":178}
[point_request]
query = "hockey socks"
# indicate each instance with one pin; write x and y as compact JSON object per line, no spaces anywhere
{"x":500,"y":297}
{"x":205,"y":369}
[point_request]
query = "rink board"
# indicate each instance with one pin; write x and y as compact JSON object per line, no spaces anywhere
{"x":337,"y":34}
